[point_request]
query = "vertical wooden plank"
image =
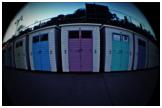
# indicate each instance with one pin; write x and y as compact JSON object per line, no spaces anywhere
{"x":64,"y":49}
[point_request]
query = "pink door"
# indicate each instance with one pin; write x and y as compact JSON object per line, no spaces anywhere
{"x":74,"y":51}
{"x":86,"y":51}
{"x":80,"y":51}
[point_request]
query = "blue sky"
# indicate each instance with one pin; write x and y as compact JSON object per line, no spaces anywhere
{"x":33,"y":12}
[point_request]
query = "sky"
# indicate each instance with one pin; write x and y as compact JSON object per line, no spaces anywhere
{"x":33,"y":12}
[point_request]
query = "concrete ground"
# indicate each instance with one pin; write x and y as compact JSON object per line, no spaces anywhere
{"x":116,"y":88}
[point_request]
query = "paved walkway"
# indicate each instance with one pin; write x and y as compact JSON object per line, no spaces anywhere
{"x":115,"y":88}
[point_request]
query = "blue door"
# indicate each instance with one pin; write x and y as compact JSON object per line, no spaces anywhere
{"x":141,"y":54}
{"x":116,"y":52}
{"x":7,"y":57}
{"x":120,"y":52}
{"x":41,"y":53}
{"x":44,"y":52}
{"x":10,"y":56}
{"x":36,"y":53}
{"x":125,"y":52}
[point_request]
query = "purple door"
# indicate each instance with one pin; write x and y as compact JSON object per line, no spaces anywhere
{"x":86,"y":51}
{"x":80,"y":51}
{"x":74,"y":51}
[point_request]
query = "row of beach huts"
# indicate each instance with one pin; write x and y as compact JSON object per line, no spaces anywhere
{"x":81,"y":47}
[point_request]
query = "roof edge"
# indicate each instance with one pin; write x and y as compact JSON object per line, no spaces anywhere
{"x":80,"y":24}
{"x":44,"y":28}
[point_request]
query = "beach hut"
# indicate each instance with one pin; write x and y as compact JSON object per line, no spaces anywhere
{"x":80,"y":46}
{"x":117,"y":48}
{"x":43,"y":49}
{"x":141,"y":52}
{"x":20,"y":52}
